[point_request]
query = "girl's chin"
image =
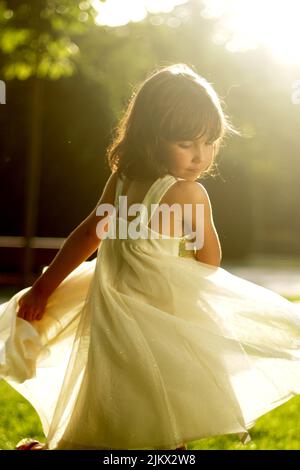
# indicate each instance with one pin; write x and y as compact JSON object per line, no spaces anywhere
{"x":192,"y":175}
{"x":188,"y":175}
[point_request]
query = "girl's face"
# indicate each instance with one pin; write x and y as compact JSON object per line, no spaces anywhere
{"x":188,"y":159}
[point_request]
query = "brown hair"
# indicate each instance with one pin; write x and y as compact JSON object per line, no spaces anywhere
{"x":173,"y":104}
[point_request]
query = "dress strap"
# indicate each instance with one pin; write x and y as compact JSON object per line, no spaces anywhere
{"x":119,"y":188}
{"x":149,"y":194}
{"x":156,"y":193}
{"x":153,"y":196}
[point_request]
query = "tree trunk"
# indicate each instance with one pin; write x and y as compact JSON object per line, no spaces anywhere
{"x":33,"y":176}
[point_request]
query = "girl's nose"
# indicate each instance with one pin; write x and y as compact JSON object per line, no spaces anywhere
{"x":198,"y":154}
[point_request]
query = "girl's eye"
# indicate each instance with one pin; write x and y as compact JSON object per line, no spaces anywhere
{"x":185,"y":145}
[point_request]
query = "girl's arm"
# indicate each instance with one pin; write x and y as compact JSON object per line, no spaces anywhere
{"x":80,"y":244}
{"x":211,"y":252}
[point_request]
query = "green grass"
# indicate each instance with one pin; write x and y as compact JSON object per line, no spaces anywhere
{"x":18,"y":418}
{"x":276,"y":430}
{"x":292,"y":298}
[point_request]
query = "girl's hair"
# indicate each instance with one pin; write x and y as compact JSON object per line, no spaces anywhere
{"x":173,"y":104}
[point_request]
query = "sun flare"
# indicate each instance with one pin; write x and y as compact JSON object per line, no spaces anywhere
{"x":120,"y":12}
{"x":247,"y":24}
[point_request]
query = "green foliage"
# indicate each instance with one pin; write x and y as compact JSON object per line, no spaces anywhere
{"x":39,"y":38}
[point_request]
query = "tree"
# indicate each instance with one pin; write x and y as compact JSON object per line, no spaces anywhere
{"x":38,"y":42}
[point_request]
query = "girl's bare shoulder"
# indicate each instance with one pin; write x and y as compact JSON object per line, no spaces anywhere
{"x":184,"y":192}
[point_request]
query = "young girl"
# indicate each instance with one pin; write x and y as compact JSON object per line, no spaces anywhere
{"x":151,"y":344}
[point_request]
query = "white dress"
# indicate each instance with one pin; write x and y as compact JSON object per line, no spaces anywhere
{"x":144,"y":347}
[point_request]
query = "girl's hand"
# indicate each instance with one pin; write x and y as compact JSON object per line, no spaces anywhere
{"x":32,"y":305}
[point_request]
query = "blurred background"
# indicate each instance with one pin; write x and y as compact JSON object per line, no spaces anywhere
{"x":67,"y":70}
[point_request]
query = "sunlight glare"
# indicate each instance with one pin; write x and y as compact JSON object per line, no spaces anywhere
{"x":247,"y":24}
{"x":120,"y":12}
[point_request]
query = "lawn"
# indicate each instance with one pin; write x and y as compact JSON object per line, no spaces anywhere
{"x":276,"y":430}
{"x":18,"y":418}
